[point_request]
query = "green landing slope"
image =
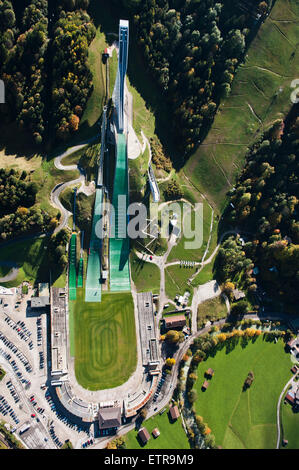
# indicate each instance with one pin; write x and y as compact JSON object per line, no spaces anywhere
{"x":119,"y":242}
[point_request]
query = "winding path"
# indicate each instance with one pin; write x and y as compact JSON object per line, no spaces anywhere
{"x":60,"y":187}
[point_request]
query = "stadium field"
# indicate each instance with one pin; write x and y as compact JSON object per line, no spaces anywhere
{"x":105,"y":340}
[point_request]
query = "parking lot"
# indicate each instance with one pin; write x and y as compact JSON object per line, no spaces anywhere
{"x":23,"y":398}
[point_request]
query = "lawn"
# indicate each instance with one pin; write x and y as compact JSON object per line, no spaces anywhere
{"x":95,"y":103}
{"x":244,"y":419}
{"x":212,"y":309}
{"x":255,"y":101}
{"x":30,"y":256}
{"x":146,"y":276}
{"x":104,"y":340}
{"x":179,"y":252}
{"x":172,"y":435}
{"x":290,"y":425}
{"x":176,"y":278}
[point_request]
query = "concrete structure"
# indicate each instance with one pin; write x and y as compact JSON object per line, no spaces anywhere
{"x":153,"y":184}
{"x":147,"y":329}
{"x":39,"y":302}
{"x":5,"y":291}
{"x":58,"y":333}
{"x":43,"y":289}
{"x":103,"y":148}
{"x":119,"y":89}
{"x":43,"y":299}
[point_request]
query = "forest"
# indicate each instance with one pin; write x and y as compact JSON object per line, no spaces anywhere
{"x":18,"y":214}
{"x":192,"y":49}
{"x":43,"y":59}
{"x":264,"y":205}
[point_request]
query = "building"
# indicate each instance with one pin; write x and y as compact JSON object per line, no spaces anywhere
{"x":143,"y":435}
{"x":291,"y":343}
{"x":238,"y":294}
{"x":178,"y":321}
{"x":43,"y":299}
{"x":39,"y":302}
{"x":43,"y":289}
{"x":109,"y":418}
{"x":290,"y":397}
{"x":294,"y":369}
{"x":205,"y":385}
{"x":147,"y":328}
{"x":174,"y":412}
{"x":210,"y":372}
{"x":58,"y":333}
{"x":156,"y":433}
{"x":6,"y":291}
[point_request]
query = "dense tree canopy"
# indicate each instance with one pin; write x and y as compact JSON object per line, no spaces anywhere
{"x":264,"y":203}
{"x":44,"y":68}
{"x":192,"y":48}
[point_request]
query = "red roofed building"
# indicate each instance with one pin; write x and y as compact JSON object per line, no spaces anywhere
{"x":143,"y":435}
{"x":179,"y":321}
{"x":174,"y":412}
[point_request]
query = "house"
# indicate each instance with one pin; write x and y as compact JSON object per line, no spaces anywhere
{"x":205,"y":385}
{"x":179,"y":321}
{"x":290,"y":398}
{"x":210,"y":372}
{"x":156,"y":433}
{"x":174,"y":412}
{"x":291,"y":343}
{"x":109,"y":418}
{"x":143,"y":435}
{"x":238,"y":294}
{"x":294,"y":369}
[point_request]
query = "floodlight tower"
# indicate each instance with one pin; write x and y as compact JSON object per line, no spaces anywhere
{"x":119,"y":89}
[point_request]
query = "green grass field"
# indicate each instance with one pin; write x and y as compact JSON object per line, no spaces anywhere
{"x":172,"y":435}
{"x":212,"y":309}
{"x":31,"y":258}
{"x":146,"y":276}
{"x":176,"y":278}
{"x":95,"y":103}
{"x":290,"y":425}
{"x":238,"y":419}
{"x":255,"y":102}
{"x":104,"y":340}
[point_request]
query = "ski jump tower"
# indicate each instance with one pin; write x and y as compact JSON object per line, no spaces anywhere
{"x":119,"y":242}
{"x":119,"y":89}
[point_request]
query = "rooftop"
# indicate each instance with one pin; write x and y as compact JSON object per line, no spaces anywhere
{"x":143,"y":434}
{"x":109,"y":417}
{"x":174,"y":412}
{"x":40,"y":302}
{"x":174,"y":322}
